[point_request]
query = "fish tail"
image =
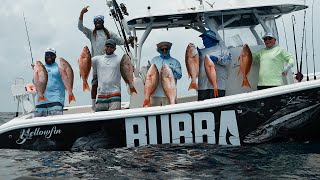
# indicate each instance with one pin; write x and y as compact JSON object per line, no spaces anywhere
{"x":193,"y":85}
{"x":133,"y":90}
{"x":42,"y":98}
{"x":146,"y":103}
{"x":245,"y":82}
{"x":86,"y":86}
{"x":71,"y":98}
{"x":215,"y":92}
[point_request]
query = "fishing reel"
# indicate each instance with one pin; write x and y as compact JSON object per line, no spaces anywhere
{"x":124,"y":9}
{"x":114,"y":14}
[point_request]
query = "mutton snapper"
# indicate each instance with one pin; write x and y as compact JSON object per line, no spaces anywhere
{"x":210,"y":69}
{"x":40,"y":78}
{"x":192,"y":63}
{"x":168,"y":83}
{"x":84,"y":62}
{"x":152,"y":81}
{"x":67,"y":77}
{"x":245,"y":59}
{"x":126,"y":70}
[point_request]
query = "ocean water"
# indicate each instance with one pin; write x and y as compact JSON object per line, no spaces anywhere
{"x":265,"y":161}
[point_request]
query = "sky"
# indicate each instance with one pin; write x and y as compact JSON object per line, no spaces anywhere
{"x":53,"y":23}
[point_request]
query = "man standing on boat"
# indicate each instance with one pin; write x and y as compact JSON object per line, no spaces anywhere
{"x":107,"y":77}
{"x":98,"y":37}
{"x":55,"y":89}
{"x":221,"y":58}
{"x":159,"y":98}
{"x":275,"y":62}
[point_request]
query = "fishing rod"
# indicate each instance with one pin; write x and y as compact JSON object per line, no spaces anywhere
{"x":285,"y":34}
{"x":314,"y":64}
{"x":115,"y":19}
{"x":303,"y":33}
{"x":120,"y":16}
{"x":25,"y":24}
{"x":293,"y":18}
{"x":305,"y":43}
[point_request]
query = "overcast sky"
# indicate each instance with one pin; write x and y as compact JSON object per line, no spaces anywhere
{"x":53,"y":23}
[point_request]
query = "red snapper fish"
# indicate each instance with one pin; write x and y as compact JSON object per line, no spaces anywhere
{"x":210,"y":69}
{"x":84,"y":62}
{"x":168,"y":83}
{"x":67,"y":76}
{"x":40,"y":78}
{"x":152,"y":81}
{"x":126,"y":70}
{"x":192,"y":63}
{"x":245,"y":59}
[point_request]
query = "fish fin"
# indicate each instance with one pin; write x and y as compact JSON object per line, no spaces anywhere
{"x":245,"y":82}
{"x":86,"y":86}
{"x":193,"y":85}
{"x":239,"y":71}
{"x":215,"y":93}
{"x":42,"y":98}
{"x":133,"y":90}
{"x":71,"y":98}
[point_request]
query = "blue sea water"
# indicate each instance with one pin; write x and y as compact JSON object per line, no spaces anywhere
{"x":265,"y":161}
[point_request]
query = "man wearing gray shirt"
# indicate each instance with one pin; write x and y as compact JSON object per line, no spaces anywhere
{"x":99,"y":35}
{"x":107,"y":77}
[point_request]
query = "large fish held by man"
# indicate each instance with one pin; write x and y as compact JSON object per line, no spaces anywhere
{"x":245,"y":59}
{"x":40,"y":79}
{"x":84,"y":62}
{"x":210,"y":69}
{"x":126,"y":70}
{"x":192,"y":63}
{"x":151,"y":83}
{"x":168,"y":83}
{"x":67,"y":77}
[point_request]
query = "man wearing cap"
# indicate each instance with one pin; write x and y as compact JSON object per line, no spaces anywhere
{"x":274,"y":61}
{"x":107,"y":77}
{"x":99,"y":34}
{"x":55,"y":90}
{"x":158,"y":98}
{"x":220,"y":57}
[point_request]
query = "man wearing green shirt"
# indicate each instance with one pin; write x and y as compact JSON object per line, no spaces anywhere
{"x":274,"y":62}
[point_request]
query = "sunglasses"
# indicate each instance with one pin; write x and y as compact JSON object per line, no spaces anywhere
{"x":267,"y":38}
{"x":164,"y":49}
{"x":49,"y":54}
{"x":98,"y":20}
{"x":110,"y":46}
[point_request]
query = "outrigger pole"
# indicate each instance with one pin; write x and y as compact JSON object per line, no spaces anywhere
{"x":25,"y":24}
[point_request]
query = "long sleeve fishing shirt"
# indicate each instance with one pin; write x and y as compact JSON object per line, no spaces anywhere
{"x":55,"y":91}
{"x":175,"y":66}
{"x":272,"y":62}
{"x":107,"y":70}
{"x":220,"y":64}
{"x":98,"y":42}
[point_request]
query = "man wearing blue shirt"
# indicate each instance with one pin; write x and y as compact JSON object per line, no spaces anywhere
{"x":55,"y":90}
{"x":163,"y":48}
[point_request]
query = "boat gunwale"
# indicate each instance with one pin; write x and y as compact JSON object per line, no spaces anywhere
{"x":21,"y":122}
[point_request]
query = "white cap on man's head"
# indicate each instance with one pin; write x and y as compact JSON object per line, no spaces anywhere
{"x":51,"y":50}
{"x":269,"y":34}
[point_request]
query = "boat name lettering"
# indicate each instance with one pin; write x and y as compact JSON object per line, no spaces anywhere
{"x":195,"y":127}
{"x":26,"y":134}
